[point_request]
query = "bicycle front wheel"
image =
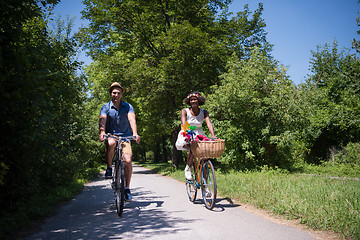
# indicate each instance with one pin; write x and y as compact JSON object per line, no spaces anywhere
{"x":191,"y":187}
{"x":208,"y":184}
{"x":119,"y":188}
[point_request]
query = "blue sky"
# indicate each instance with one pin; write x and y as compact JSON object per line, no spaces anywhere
{"x":294,"y":27}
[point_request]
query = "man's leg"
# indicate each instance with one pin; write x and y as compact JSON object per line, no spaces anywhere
{"x":109,"y":154}
{"x":127,"y":154}
{"x":128,"y":168}
{"x":109,"y":151}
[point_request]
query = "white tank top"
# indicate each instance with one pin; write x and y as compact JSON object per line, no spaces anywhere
{"x":196,"y":121}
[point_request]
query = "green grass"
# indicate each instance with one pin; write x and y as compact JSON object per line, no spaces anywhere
{"x":321,"y":203}
{"x":331,"y":169}
{"x":36,"y":207}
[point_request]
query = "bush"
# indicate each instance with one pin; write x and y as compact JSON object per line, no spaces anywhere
{"x":349,"y":155}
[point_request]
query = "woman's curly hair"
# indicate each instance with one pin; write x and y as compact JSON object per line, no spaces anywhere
{"x":200,"y":98}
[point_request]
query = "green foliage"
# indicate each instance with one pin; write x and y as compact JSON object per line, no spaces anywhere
{"x":254,"y":108}
{"x":349,"y":155}
{"x":267,"y":120}
{"x":332,"y":101}
{"x":167,"y":48}
{"x":160,"y":51}
{"x":46,"y":143}
{"x":35,"y":207}
{"x":356,"y":43}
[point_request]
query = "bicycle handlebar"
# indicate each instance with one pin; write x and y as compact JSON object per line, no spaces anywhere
{"x":108,"y":135}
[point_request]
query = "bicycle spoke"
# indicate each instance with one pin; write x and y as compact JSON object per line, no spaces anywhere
{"x":119,"y":188}
{"x":208,"y":184}
{"x":191,"y":187}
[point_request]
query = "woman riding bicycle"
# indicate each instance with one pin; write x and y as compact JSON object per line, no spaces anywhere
{"x":195,"y":117}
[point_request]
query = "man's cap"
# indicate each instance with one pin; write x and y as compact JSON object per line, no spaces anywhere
{"x":116,"y":84}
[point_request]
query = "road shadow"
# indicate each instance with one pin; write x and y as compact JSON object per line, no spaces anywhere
{"x":92,"y":215}
{"x":145,"y":171}
{"x":221,"y":203}
{"x":224,"y":203}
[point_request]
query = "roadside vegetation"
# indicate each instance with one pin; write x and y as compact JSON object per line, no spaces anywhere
{"x":279,"y":136}
{"x":321,"y":202}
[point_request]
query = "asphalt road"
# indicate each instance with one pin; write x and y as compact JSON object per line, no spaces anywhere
{"x":160,"y":210}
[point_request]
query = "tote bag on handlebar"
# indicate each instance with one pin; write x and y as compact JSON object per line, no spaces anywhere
{"x":180,"y":142}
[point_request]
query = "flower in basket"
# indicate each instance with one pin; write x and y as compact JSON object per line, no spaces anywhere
{"x":185,"y":126}
{"x":201,"y":138}
{"x":188,"y":131}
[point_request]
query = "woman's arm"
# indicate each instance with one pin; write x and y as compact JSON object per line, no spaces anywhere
{"x":183,"y":117}
{"x":209,"y":124}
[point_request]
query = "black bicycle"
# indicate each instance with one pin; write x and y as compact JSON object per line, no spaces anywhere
{"x":118,"y":179}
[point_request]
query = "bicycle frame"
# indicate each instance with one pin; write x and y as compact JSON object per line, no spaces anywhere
{"x":198,"y":168}
{"x":118,"y":161}
{"x":118,"y":180}
{"x":204,"y":179}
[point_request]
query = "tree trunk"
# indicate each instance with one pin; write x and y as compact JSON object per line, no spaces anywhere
{"x":157,"y":153}
{"x":164,"y":150}
{"x":176,"y":154}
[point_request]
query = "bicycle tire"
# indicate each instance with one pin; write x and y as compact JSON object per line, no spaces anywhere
{"x":119,"y":187}
{"x":208,"y":184}
{"x":191,"y":187}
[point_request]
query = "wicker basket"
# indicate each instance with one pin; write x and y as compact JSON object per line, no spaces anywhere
{"x":208,"y":149}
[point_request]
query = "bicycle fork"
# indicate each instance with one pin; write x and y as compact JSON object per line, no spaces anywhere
{"x":203,"y":174}
{"x":197,"y":181}
{"x":118,"y":165}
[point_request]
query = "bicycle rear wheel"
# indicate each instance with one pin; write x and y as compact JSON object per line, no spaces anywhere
{"x":119,"y":187}
{"x":208,"y":184}
{"x":191,"y":187}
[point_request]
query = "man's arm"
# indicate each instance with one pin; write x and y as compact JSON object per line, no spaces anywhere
{"x":132,"y":120}
{"x":102,"y":123}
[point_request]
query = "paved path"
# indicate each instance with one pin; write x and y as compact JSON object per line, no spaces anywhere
{"x":160,"y":210}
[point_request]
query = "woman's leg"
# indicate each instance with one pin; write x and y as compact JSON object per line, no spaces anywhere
{"x":188,"y":166}
{"x":190,"y":158}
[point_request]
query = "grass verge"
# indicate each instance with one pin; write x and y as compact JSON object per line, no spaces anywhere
{"x":37,"y":207}
{"x":321,"y":203}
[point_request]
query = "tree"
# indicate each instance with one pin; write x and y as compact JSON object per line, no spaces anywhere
{"x":254,"y":109}
{"x":42,"y":99}
{"x":168,"y":48}
{"x":356,"y":43}
{"x":334,"y":91}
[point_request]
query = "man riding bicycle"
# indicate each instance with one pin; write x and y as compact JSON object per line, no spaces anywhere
{"x":118,"y":118}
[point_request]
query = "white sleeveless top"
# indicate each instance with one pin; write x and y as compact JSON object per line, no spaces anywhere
{"x":196,"y":121}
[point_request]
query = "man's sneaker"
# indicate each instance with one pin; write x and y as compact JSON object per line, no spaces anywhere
{"x":108,"y":173}
{"x":188,"y":173}
{"x":128,"y":195}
